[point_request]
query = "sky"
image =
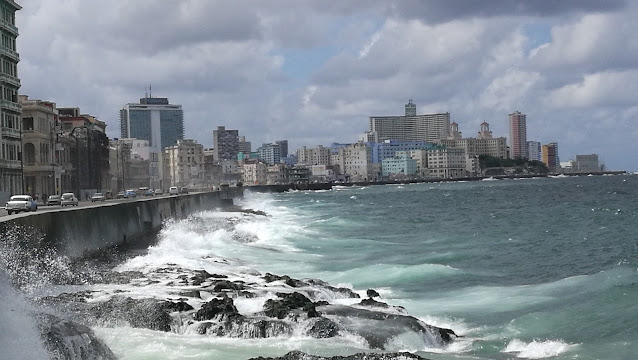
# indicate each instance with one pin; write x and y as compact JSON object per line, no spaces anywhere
{"x":314,"y":71}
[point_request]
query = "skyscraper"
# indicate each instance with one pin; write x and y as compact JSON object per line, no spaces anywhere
{"x":412,"y":127}
{"x":518,"y":135}
{"x":10,"y":132}
{"x":225,"y":144}
{"x":155,"y":120}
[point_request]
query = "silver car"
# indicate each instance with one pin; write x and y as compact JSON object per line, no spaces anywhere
{"x":19,"y":203}
{"x":69,"y":199}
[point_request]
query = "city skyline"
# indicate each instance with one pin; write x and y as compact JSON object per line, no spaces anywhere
{"x":242,"y":68}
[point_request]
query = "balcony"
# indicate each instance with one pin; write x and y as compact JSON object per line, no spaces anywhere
{"x":9,"y":132}
{"x":10,"y":53}
{"x":10,"y":164}
{"x":4,"y":24}
{"x":8,"y":79}
{"x":11,"y":106}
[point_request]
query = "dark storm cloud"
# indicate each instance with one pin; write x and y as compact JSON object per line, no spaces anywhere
{"x":435,"y":11}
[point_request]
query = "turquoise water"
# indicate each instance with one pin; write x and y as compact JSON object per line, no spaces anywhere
{"x":540,"y":267}
{"x":522,"y":269}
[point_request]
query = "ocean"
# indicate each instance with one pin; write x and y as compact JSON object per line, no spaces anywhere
{"x":541,"y":268}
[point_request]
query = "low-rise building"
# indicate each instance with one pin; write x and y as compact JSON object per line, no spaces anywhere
{"x":185,"y":163}
{"x":446,"y":163}
{"x":400,"y":165}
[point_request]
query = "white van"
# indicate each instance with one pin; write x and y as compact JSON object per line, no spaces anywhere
{"x":173,"y":190}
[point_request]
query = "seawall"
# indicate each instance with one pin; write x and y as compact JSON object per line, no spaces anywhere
{"x":75,"y":232}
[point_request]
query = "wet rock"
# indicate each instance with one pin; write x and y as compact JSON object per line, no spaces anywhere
{"x":64,"y":339}
{"x":323,"y":328}
{"x":298,"y":355}
{"x":177,"y":306}
{"x":341,"y":291}
{"x":227,"y":285}
{"x":114,"y":277}
{"x":140,"y":313}
{"x":191,"y":294}
{"x":218,"y":309}
{"x":288,"y":304}
{"x":373,"y":303}
{"x":286,"y":279}
{"x":80,"y":296}
{"x":372,"y":293}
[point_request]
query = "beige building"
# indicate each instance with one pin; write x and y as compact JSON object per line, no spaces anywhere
{"x":358,"y":164}
{"x":314,"y":156}
{"x":446,"y":163}
{"x":255,"y":173}
{"x":410,"y":127}
{"x":185,"y":163}
{"x":276,"y":174}
{"x":484,"y":144}
{"x":42,"y":147}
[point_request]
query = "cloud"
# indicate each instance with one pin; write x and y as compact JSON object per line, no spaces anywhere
{"x":607,"y":89}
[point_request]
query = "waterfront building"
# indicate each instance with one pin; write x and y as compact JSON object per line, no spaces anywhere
{"x":314,"y":156}
{"x":11,"y":181}
{"x":428,"y":127}
{"x":84,"y":136}
{"x":454,"y":134}
{"x":358,"y":164}
{"x":483,"y":144}
{"x":153,"y":119}
{"x":323,"y":173}
{"x":548,"y":153}
{"x":446,"y":163}
{"x":254,"y":173}
{"x":185,"y":162}
{"x":399,"y":166}
{"x":244,"y":146}
{"x":534,"y":150}
{"x":587,"y":163}
{"x":518,"y":134}
{"x":283,"y":147}
{"x":557,"y":158}
{"x":142,"y":150}
{"x":270,"y":154}
{"x":277,"y":174}
{"x":119,"y":166}
{"x":225,"y":144}
{"x":41,"y":145}
{"x":388,"y":148}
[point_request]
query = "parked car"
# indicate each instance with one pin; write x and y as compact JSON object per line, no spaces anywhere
{"x":54,"y":200}
{"x":173,"y":190}
{"x":159,"y":192}
{"x":108,"y":195}
{"x":69,"y":199}
{"x":142,"y":190}
{"x":149,"y":192}
{"x":19,"y":203}
{"x":121,"y":195}
{"x":98,"y":197}
{"x":183,"y":190}
{"x":131,"y":194}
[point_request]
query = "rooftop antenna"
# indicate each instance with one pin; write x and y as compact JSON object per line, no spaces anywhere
{"x":150,"y":91}
{"x":145,"y":93}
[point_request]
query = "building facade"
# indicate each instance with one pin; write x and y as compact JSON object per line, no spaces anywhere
{"x":11,"y":181}
{"x":534,"y":150}
{"x":401,"y":165}
{"x":446,"y":163}
{"x":388,"y":149}
{"x":185,"y":164}
{"x":428,"y":127}
{"x":225,"y":144}
{"x":153,"y":119}
{"x":587,"y":163}
{"x":548,"y":154}
{"x":518,"y":135}
{"x":244,"y":146}
{"x":483,"y":144}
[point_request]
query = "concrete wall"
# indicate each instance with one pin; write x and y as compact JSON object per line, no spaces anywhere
{"x":78,"y":231}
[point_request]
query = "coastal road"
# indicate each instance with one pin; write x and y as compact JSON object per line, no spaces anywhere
{"x":81,"y":204}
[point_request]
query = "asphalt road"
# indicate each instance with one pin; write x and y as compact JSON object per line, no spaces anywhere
{"x":82,"y":203}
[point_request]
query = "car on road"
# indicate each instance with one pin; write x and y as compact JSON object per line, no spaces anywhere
{"x":149,"y":192}
{"x":19,"y":203}
{"x":183,"y":190}
{"x":69,"y":199}
{"x":54,"y":200}
{"x":98,"y":197}
{"x":173,"y":190}
{"x":159,"y":192}
{"x":121,"y":195}
{"x":131,"y":194}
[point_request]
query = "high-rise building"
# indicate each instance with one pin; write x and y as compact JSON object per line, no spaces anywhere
{"x":153,"y":119}
{"x":548,"y":153}
{"x":586,"y":163}
{"x":410,"y":108}
{"x":244,"y":146}
{"x":484,"y":144}
{"x":225,"y":144}
{"x":518,"y":135}
{"x":428,"y":127}
{"x":11,"y":181}
{"x":283,"y":145}
{"x":534,"y":150}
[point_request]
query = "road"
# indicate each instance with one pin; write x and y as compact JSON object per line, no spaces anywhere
{"x":81,"y":204}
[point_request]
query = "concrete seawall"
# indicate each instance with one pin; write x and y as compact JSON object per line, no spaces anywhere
{"x":79,"y":231}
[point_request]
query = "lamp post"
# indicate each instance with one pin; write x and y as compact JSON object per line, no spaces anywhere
{"x":77,"y":157}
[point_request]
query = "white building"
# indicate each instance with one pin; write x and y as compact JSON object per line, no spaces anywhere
{"x":446,"y":163}
{"x":358,"y":164}
{"x":411,"y":127}
{"x":255,"y":174}
{"x":185,"y":163}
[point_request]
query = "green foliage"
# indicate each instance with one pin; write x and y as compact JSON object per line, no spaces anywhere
{"x":522,"y":165}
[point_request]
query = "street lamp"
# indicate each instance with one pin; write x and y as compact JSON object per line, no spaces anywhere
{"x":77,"y":156}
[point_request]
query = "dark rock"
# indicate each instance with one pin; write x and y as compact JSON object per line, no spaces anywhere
{"x":286,"y":279}
{"x":289,"y":302}
{"x":323,"y":328}
{"x":114,"y":277}
{"x":345,"y":292}
{"x":64,"y":339}
{"x":298,"y":355}
{"x":374,"y":303}
{"x":372,"y":293}
{"x":191,"y":293}
{"x":218,"y":309}
{"x":140,"y":313}
{"x":222,"y":285}
{"x":177,"y":306}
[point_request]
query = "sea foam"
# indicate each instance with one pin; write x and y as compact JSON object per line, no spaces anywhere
{"x":537,"y":349}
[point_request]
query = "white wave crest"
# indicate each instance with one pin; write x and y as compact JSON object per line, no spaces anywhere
{"x":537,"y":349}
